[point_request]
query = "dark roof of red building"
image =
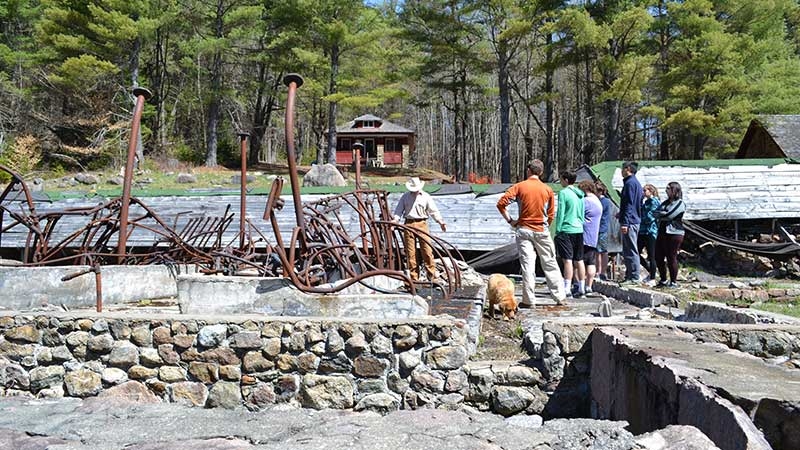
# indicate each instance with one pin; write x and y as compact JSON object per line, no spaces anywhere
{"x":385,"y":126}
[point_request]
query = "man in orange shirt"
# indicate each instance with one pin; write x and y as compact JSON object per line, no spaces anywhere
{"x":537,"y":210}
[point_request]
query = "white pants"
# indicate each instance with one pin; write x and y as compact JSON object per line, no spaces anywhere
{"x":531,"y":243}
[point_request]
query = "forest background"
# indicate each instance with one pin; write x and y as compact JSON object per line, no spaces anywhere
{"x":486,"y":84}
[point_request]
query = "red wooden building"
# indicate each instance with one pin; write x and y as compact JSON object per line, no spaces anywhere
{"x":385,"y":143}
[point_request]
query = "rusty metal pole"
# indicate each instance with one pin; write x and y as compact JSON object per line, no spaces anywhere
{"x":98,"y":284}
{"x":243,"y":192}
{"x":293,"y":81}
{"x":358,"y":146}
{"x":142,"y":95}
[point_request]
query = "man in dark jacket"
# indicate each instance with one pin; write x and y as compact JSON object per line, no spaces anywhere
{"x":629,"y":219}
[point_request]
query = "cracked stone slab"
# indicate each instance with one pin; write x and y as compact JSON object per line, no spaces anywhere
{"x":99,"y":424}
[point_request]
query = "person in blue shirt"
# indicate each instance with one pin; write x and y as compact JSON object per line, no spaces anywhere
{"x":602,"y":236}
{"x":648,"y":230}
{"x":629,"y":220}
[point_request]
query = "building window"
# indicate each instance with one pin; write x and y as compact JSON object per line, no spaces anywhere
{"x":388,"y":146}
{"x":344,"y":144}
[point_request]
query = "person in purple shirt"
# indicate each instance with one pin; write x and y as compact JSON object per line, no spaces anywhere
{"x":592,"y":212}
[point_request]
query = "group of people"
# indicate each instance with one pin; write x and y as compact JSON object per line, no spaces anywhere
{"x":581,"y":227}
{"x":581,"y":222}
{"x":652,"y":225}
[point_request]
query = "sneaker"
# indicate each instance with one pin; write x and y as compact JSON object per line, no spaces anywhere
{"x":629,"y":283}
{"x":589,"y":290}
{"x":579,"y":294}
{"x":672,"y":285}
{"x":662,"y":284}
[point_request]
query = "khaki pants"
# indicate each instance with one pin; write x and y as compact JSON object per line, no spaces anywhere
{"x":531,"y":243}
{"x":410,"y":244}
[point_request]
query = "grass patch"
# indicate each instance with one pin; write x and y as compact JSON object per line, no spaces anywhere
{"x":788,"y":309}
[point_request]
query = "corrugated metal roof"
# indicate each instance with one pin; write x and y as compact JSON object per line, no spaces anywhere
{"x":473,"y":223}
{"x":729,"y":189}
{"x":386,"y":126}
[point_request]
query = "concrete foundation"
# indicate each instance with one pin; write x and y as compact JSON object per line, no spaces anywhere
{"x":37,"y":287}
{"x":278,"y":297}
{"x":653,"y":377}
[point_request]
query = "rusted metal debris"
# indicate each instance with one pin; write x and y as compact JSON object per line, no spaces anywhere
{"x":320,"y":256}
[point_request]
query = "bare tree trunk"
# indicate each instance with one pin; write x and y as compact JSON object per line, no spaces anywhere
{"x":505,"y":106}
{"x":611,"y":123}
{"x":332,"y":89}
{"x":216,"y":92}
{"x":549,"y":122}
{"x":589,"y":142}
{"x":262,"y":112}
{"x":137,"y":46}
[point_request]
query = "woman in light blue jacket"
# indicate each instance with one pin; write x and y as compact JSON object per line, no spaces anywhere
{"x":648,"y":230}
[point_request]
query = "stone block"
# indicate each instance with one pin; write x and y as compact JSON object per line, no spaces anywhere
{"x":204,"y":372}
{"x":380,"y":403}
{"x":141,"y":336}
{"x":212,"y":335}
{"x":321,"y":392}
{"x":46,"y":377}
{"x":447,"y":357}
{"x":370,"y":366}
{"x":171,"y":374}
{"x":188,"y":393}
{"x":112,"y":376}
{"x":101,"y":344}
{"x":230,"y":373}
{"x":222,"y":355}
{"x":25,"y":334}
{"x":132,"y":392}
{"x":245,"y":340}
{"x":123,"y":355}
{"x":509,"y":400}
{"x":142,"y":373}
{"x":224,"y":394}
{"x":83,"y":383}
{"x":256,"y":362}
{"x":424,"y":379}
{"x":404,"y":337}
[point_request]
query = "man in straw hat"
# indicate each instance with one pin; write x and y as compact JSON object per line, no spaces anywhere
{"x":414,"y":208}
{"x":536,"y":202}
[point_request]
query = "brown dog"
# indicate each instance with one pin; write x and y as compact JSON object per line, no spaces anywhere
{"x":500,"y":291}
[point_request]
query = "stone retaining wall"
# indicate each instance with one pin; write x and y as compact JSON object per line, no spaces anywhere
{"x":779,"y":343}
{"x":226,"y":362}
{"x":720,"y":313}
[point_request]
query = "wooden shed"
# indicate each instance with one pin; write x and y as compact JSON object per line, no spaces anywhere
{"x":771,"y":136}
{"x":385,"y":143}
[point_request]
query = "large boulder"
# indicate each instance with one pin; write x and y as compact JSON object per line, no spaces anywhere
{"x":323,"y":175}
